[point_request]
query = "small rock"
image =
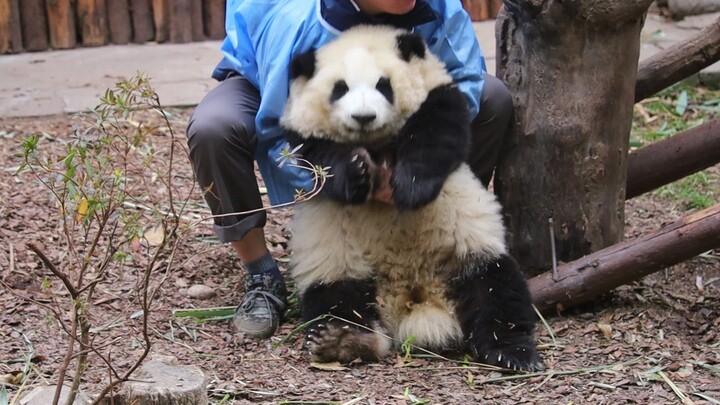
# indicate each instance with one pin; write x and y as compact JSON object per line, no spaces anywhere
{"x":181,"y":282}
{"x":45,"y":395}
{"x":201,"y":292}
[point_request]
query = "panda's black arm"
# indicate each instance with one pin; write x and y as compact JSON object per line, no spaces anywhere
{"x":432,"y":144}
{"x":349,"y":181}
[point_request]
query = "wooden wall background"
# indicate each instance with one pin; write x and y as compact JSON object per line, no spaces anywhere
{"x":39,"y":25}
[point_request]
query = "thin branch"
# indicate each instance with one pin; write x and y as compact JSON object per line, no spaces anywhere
{"x":51,"y":266}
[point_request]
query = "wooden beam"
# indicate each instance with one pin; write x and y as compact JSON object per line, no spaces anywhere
{"x":10,"y":30}
{"x":606,"y":269}
{"x":61,"y":21}
{"x":33,"y":23}
{"x":161,"y":19}
{"x":673,"y":158}
{"x":119,"y":23}
{"x":478,"y":9}
{"x":678,"y":62}
{"x":142,"y":19}
{"x":92,"y":20}
{"x":196,"y":20}
{"x":180,"y":16}
{"x":214,"y":18}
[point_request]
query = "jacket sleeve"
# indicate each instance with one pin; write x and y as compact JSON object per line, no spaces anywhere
{"x":454,"y":42}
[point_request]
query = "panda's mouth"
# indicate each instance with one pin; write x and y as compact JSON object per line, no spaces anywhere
{"x":366,"y":133}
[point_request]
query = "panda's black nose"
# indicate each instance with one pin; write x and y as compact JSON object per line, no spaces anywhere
{"x":364,"y":119}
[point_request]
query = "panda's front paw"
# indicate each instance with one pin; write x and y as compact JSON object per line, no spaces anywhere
{"x":341,"y":342}
{"x":351,"y":181}
{"x":521,"y":357}
{"x":411,"y":191}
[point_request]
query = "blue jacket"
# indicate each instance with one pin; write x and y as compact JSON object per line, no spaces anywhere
{"x":264,"y":35}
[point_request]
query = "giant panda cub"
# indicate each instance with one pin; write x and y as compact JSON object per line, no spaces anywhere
{"x":431,"y":268}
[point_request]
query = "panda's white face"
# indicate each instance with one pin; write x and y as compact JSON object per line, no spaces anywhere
{"x":362,"y":103}
{"x":360,"y":89}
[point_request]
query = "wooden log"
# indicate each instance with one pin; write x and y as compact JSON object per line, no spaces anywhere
{"x":92,"y":20}
{"x":142,"y":20}
{"x":119,"y":26}
{"x":214,"y":18}
{"x":161,"y":18}
{"x":10,"y":30}
{"x":671,"y":159}
{"x":196,"y":16}
{"x":61,"y":21}
{"x":34,"y":25}
{"x":606,"y":269}
{"x":180,"y":31}
{"x":679,"y":61}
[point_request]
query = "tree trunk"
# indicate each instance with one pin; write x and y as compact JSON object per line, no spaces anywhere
{"x":672,"y":159}
{"x":584,"y":279}
{"x":678,"y":62}
{"x":571,"y":68}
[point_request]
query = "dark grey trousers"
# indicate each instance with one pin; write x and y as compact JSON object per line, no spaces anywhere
{"x":221,"y":137}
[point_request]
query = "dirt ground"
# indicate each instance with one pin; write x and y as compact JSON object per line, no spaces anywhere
{"x":652,"y":342}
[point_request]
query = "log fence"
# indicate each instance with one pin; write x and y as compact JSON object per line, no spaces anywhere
{"x":40,"y":25}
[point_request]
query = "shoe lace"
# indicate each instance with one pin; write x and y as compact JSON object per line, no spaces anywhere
{"x":259,"y":297}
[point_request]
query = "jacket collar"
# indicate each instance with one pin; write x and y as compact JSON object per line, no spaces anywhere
{"x":339,"y":15}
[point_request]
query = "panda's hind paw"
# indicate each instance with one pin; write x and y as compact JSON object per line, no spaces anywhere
{"x":518,"y":358}
{"x":344,"y":343}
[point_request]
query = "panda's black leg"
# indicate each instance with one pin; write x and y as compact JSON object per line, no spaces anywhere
{"x":349,"y":332}
{"x":495,"y":311}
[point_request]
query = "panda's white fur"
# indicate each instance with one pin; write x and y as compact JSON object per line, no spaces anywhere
{"x":361,"y":62}
{"x":410,"y":255}
{"x":332,"y":242}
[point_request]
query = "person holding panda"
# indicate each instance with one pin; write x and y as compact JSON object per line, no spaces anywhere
{"x":237,"y":123}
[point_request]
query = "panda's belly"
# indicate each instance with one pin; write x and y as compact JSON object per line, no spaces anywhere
{"x":332,"y":241}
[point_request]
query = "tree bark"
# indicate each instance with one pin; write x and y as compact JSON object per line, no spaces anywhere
{"x":584,"y":279}
{"x":672,"y":159}
{"x":571,"y":68}
{"x":678,"y":62}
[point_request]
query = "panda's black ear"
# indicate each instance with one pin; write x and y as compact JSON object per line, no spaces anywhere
{"x":303,"y":65}
{"x":410,"y":45}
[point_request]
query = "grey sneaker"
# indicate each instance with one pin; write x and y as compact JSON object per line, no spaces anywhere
{"x":258,"y":316}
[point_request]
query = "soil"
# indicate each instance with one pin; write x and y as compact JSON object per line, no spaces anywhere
{"x":654,"y":341}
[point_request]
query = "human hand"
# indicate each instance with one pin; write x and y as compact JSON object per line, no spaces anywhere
{"x":382,"y":191}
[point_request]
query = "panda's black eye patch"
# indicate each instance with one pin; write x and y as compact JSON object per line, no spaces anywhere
{"x":385,"y":88}
{"x":339,"y":89}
